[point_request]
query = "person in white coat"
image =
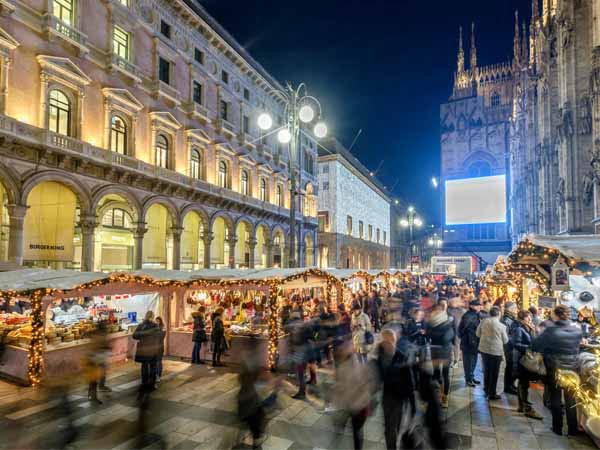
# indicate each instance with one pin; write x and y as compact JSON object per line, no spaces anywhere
{"x":492,"y":339}
{"x":362,"y":333}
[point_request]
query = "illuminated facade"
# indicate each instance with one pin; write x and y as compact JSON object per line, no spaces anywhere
{"x":354,"y":213}
{"x":555,"y":137}
{"x":128,"y":140}
{"x":474,"y":126}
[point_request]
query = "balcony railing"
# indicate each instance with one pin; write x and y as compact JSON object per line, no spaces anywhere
{"x":57,"y":27}
{"x":198,"y":110}
{"x":64,"y":142}
{"x":162,"y":89}
{"x":125,"y":66}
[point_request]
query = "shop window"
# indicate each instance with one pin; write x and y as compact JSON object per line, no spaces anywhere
{"x":118,"y":135}
{"x":59,"y":113}
{"x":161,"y":151}
{"x":223,"y":174}
{"x":117,"y":218}
{"x":244,"y":187}
{"x":196,"y":164}
{"x":279,"y":195}
{"x":263,"y":196}
{"x":64,"y":10}
{"x":121,"y":42}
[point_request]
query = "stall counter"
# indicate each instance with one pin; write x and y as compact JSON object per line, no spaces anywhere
{"x":180,"y":345}
{"x":14,"y":364}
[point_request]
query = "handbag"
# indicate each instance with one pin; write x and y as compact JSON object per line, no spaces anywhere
{"x":369,"y":338}
{"x":533,"y":362}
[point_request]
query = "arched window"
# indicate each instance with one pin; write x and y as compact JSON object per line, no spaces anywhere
{"x":244,"y":183}
{"x":480,"y":169}
{"x":223,"y":175}
{"x":262,"y":194}
{"x":495,"y":101}
{"x":116,"y":218}
{"x":118,"y":135}
{"x":279,"y":195}
{"x":161,"y":151}
{"x":195,"y":164}
{"x":59,"y":113}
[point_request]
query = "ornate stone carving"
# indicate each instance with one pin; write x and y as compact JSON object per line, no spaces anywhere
{"x":565,"y":128}
{"x":566,"y":31}
{"x":587,"y":183}
{"x":560,"y":193}
{"x":584,"y":111}
{"x":595,"y":159}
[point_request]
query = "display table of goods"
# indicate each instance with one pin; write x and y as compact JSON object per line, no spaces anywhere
{"x":15,"y":329}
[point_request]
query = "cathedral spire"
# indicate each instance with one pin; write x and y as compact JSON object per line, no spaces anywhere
{"x":517,"y":40}
{"x":535,"y":13}
{"x":461,"y":53}
{"x":524,"y":45}
{"x":473,"y":48}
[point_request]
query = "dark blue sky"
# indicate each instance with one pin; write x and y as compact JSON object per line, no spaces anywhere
{"x":380,"y":65}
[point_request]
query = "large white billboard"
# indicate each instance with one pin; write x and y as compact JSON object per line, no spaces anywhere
{"x":476,"y":200}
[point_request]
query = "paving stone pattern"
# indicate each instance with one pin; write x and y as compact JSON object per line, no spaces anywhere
{"x":195,"y":408}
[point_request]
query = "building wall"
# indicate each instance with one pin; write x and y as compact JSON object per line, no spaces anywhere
{"x":344,"y":191}
{"x":39,"y":53}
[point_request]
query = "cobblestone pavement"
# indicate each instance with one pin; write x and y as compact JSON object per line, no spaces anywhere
{"x":195,"y":408}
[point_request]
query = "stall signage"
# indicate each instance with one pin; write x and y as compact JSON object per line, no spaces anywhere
{"x":560,"y":276}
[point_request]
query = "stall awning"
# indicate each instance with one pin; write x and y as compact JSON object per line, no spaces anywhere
{"x":584,"y":248}
{"x":31,"y":279}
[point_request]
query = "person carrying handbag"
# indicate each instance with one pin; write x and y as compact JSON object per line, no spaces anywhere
{"x":521,"y":336}
{"x":199,"y":334}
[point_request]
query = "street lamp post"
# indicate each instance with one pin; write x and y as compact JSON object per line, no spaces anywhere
{"x":436,"y":242}
{"x":410,"y":222}
{"x":299,"y":108}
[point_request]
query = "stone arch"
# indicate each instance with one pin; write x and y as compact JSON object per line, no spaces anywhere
{"x":262,"y":223}
{"x":480,"y":155}
{"x":11,"y":185}
{"x":226,"y":217}
{"x":279,"y":251}
{"x":64,"y":178}
{"x":134,"y":204}
{"x":194,"y":229}
{"x":262,"y":235}
{"x":248,"y":222}
{"x":163,"y":201}
{"x":198,"y":210}
{"x":244,"y":233}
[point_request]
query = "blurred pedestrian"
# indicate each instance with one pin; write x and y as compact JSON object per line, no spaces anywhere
{"x":521,"y":337}
{"x":493,"y":337}
{"x":161,"y":349}
{"x":218,"y":337}
{"x":362,"y":334}
{"x":299,"y":338}
{"x":199,"y":336}
{"x":456,"y":312}
{"x":374,"y":306}
{"x":440,"y":332}
{"x":560,"y":346}
{"x":508,"y":320}
{"x":148,"y":335}
{"x":415,"y":327}
{"x":353,"y":390}
{"x":394,"y":365}
{"x":469,"y":342}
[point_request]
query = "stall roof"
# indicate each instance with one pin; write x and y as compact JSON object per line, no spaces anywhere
{"x":579,"y":247}
{"x":31,"y":279}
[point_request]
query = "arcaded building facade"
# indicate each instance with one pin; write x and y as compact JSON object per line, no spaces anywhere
{"x":353,"y":211}
{"x":128,"y":140}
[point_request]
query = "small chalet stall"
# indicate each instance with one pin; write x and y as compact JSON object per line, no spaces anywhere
{"x":61,"y":310}
{"x":251,"y":300}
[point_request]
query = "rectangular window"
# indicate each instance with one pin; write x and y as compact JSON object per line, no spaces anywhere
{"x":325,"y":168}
{"x":197,"y":93}
{"x":378,"y":235}
{"x":384,"y":237}
{"x":164,"y":70}
{"x":325,"y":185}
{"x":246,"y":121}
{"x":360,"y":229}
{"x":349,"y":225}
{"x":198,"y":56}
{"x":121,"y":42}
{"x":165,"y":29}
{"x":323,"y":222}
{"x":246,"y":94}
{"x":63,"y":10}
{"x":224,"y":77}
{"x":370,"y":232}
{"x":224,"y":110}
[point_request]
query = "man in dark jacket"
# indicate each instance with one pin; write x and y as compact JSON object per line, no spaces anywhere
{"x":469,"y":342}
{"x":509,"y":319}
{"x":560,"y":346}
{"x":148,"y":335}
{"x":394,"y":366}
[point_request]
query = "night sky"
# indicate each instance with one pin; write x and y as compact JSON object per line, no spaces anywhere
{"x":380,"y":65}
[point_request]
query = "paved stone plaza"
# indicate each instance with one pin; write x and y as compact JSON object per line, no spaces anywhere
{"x":195,"y":408}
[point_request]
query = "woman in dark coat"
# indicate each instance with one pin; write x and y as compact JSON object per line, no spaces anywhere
{"x":198,"y":335}
{"x":521,"y":336}
{"x":440,"y":332}
{"x":218,"y":337}
{"x":161,"y":348}
{"x":148,"y":335}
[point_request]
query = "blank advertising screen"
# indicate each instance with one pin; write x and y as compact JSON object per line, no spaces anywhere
{"x":476,"y":200}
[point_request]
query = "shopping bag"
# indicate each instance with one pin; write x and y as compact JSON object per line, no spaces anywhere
{"x":533,"y":362}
